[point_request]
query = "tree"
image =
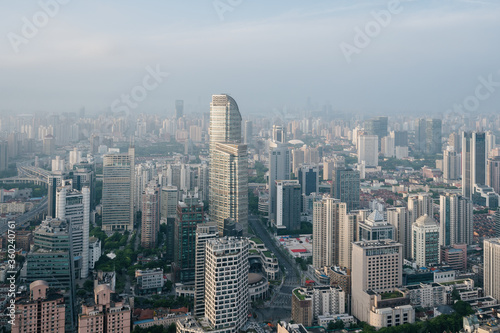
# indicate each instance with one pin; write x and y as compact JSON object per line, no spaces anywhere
{"x":335,"y":325}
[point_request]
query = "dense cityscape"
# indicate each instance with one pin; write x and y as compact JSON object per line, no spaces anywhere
{"x":307,"y":196}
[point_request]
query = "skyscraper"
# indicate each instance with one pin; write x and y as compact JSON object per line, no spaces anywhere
{"x":279,"y":134}
{"x":493,"y":173}
{"x":425,"y":241}
{"x":189,"y":214}
{"x":451,"y":165}
{"x":289,"y":198}
{"x":368,"y":150}
{"x":400,"y":219}
{"x":150,"y":225}
{"x":456,"y":220}
{"x":345,"y":186}
{"x":420,"y":204}
{"x":492,"y":267}
{"x":204,"y":232}
{"x":473,"y":161}
{"x":309,"y":179}
{"x":248,"y":132}
{"x":279,"y":169}
{"x":169,"y":199}
{"x":179,"y":108}
{"x":228,"y":171}
{"x":118,"y":192}
{"x":74,"y":207}
{"x":377,"y":126}
{"x":433,"y":135}
{"x":226,"y":283}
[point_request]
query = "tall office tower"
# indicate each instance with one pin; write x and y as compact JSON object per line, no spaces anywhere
{"x":185,"y":184}
{"x":179,"y":108}
{"x":367,"y":150}
{"x":388,"y":148}
{"x":420,"y":135}
{"x":105,"y":313}
{"x":493,"y":173}
{"x":204,"y":232}
{"x":309,"y":179}
{"x":496,"y":225}
{"x":94,"y":143}
{"x":337,"y":162}
{"x":228,"y":172}
{"x":377,"y":126}
{"x":226,"y":282}
{"x":58,"y":164}
{"x":83,"y":175}
{"x":345,"y":186}
{"x":49,"y":145}
{"x":229,"y":185}
{"x":490,"y":140}
{"x":473,"y":162}
{"x":74,"y":207}
{"x":433,"y":143}
{"x":118,"y":192}
{"x":150,"y":216}
{"x":279,"y":134}
{"x":399,"y":218}
{"x":492,"y":267}
{"x":51,"y":260}
{"x":456,"y":220}
{"x":75,"y":157}
{"x":189,"y":214}
{"x":55,"y":180}
{"x":451,"y":165}
{"x":279,"y":169}
{"x":169,"y":198}
{"x":376,"y":266}
{"x":40,"y":310}
{"x":454,"y":141}
{"x":375,"y":227}
{"x":248,"y":132}
{"x":327,"y":215}
{"x":400,"y":138}
{"x":4,"y":156}
{"x":203,"y":181}
{"x":419,"y":205}
{"x":297,"y":160}
{"x":288,"y":200}
{"x":425,"y":241}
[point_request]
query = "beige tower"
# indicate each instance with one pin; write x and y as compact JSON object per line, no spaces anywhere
{"x":228,"y":171}
{"x":492,"y":267}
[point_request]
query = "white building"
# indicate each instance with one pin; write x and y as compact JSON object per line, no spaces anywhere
{"x":368,"y":150}
{"x":425,"y":241}
{"x":150,"y":280}
{"x":492,"y":267}
{"x":94,"y":251}
{"x":226,"y":283}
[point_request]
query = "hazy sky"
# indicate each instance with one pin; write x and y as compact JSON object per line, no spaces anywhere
{"x":266,"y":54}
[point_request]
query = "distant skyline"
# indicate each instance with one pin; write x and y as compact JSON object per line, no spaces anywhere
{"x":429,"y":56}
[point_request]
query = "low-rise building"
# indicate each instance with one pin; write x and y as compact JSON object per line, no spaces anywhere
{"x":150,"y":280}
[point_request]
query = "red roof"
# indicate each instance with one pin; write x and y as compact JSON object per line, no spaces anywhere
{"x":299,"y":250}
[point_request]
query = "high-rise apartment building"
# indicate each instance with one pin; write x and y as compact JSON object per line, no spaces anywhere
{"x":105,"y":313}
{"x":493,"y":173}
{"x":346,"y":187}
{"x":4,"y":156}
{"x":333,"y":231}
{"x":179,"y":108}
{"x":425,"y":241}
{"x":42,"y":310}
{"x":289,"y":198}
{"x":228,"y":172}
{"x":492,"y":267}
{"x":226,"y":283}
{"x":189,"y":215}
{"x":473,"y":161}
{"x":279,"y":169}
{"x":204,"y":232}
{"x":456,"y":220}
{"x":169,"y":198}
{"x":419,"y":205}
{"x":399,"y":218}
{"x":118,"y":192}
{"x":74,"y":207}
{"x":451,"y":165}
{"x":150,"y":225}
{"x":247,"y":139}
{"x":368,"y":150}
